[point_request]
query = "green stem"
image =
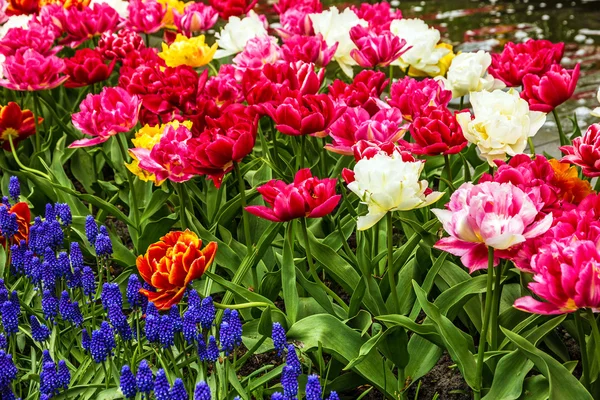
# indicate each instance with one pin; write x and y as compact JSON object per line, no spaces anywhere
{"x":585,"y":376}
{"x":448,"y":167}
{"x":242,"y":189}
{"x":531,"y":146}
{"x":323,"y":157}
{"x":275,"y":146}
{"x":313,"y":270}
{"x":252,"y":304}
{"x":24,"y":168}
{"x":391,"y":74}
{"x":136,"y":211}
{"x":390,"y":262}
{"x":36,"y":112}
{"x":462,"y":103}
{"x":300,"y":164}
{"x":561,"y":134}
{"x":484,"y":328}
{"x":496,"y":308}
{"x":182,"y":194}
{"x":106,"y":376}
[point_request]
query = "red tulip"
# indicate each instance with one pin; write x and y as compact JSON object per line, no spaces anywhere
{"x":229,"y":8}
{"x":364,"y":91}
{"x":119,"y":45}
{"x":518,"y":60}
{"x":87,"y":67}
{"x":308,"y":197}
{"x":435,"y":132}
{"x":282,"y":6}
{"x":305,"y":115}
{"x":20,"y":124}
{"x":546,"y":92}
{"x":411,"y":96}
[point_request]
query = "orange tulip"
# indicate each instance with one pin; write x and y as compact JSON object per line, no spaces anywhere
{"x":170,"y":264}
{"x":20,"y":124}
{"x":23,"y":220}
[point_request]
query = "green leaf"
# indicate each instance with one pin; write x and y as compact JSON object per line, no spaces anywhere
{"x":344,"y":344}
{"x":157,"y":201}
{"x":563,"y":385}
{"x":154,"y":230}
{"x":509,"y":376}
{"x":315,"y":291}
{"x":288,"y":275}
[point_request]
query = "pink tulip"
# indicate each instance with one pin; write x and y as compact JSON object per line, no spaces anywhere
{"x":546,"y":92}
{"x":223,"y":87}
{"x":120,"y":45}
{"x":378,"y":15}
{"x":258,"y":51}
{"x":565,"y":275}
{"x":196,"y":17}
{"x":356,"y":124}
{"x":35,"y":37}
{"x":309,"y":49}
{"x":295,"y":21}
{"x":169,"y":158}
{"x":411,"y":96}
{"x":308,"y":197}
{"x":29,"y":70}
{"x":82,"y":25}
{"x":145,"y":15}
{"x":282,"y":6}
{"x":376,"y":49}
{"x":366,"y":149}
{"x":585,"y":151}
{"x":106,"y":114}
{"x":490,"y":214}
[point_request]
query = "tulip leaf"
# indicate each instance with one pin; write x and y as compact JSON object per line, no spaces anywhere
{"x":344,"y":344}
{"x":424,"y":355}
{"x":509,"y":376}
{"x":315,"y":291}
{"x":563,"y":385}
{"x":288,"y":275}
{"x":156,"y":202}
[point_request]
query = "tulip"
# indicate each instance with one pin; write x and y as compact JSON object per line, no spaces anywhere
{"x":585,"y":151}
{"x":490,"y":214}
{"x":233,"y":37}
{"x":375,"y":49}
{"x":411,"y":96}
{"x":87,"y":67}
{"x":296,"y":21}
{"x":335,"y":28}
{"x":424,"y":53}
{"x":169,"y":158}
{"x":146,"y":16}
{"x":193,"y":52}
{"x":501,"y":125}
{"x":305,"y":115}
{"x":17,"y":123}
{"x":35,"y":36}
{"x":520,"y":59}
{"x":106,"y":114}
{"x":282,"y":6}
{"x":565,"y":276}
{"x":364,"y":91}
{"x":368,"y":149}
{"x":378,"y":15}
{"x":235,"y":8}
{"x":119,"y":45}
{"x":29,"y":70}
{"x":468,"y":73}
{"x":435,"y":131}
{"x":307,"y":196}
{"x":546,"y":92}
{"x":196,"y":17}
{"x":80,"y":26}
{"x":389,"y":183}
{"x":171,"y":264}
{"x":259,"y":51}
{"x":20,"y":7}
{"x":356,"y":124}
{"x":223,"y":87}
{"x":309,"y":49}
{"x":21,"y":210}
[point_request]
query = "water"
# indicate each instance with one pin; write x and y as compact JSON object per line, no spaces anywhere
{"x":487,"y":25}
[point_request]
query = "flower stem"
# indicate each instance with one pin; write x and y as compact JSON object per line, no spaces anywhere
{"x":36,"y":112}
{"x":24,"y":168}
{"x":136,"y":211}
{"x":313,"y":271}
{"x":182,"y":194}
{"x":585,"y":377}
{"x":302,"y":147}
{"x":462,"y":103}
{"x":561,"y":134}
{"x":485,"y":324}
{"x":531,"y":146}
{"x":448,"y":167}
{"x":496,"y":308}
{"x":390,"y":262}
{"x":242,"y":189}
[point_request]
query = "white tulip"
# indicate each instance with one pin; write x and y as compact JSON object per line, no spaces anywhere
{"x":335,"y":28}
{"x":233,"y":37}
{"x":596,"y":111}
{"x":387,"y":183}
{"x":423,"y":54}
{"x":468,"y":73}
{"x":15,"y":21}
{"x":501,"y":125}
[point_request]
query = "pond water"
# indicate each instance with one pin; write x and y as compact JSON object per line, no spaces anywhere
{"x":487,"y":25}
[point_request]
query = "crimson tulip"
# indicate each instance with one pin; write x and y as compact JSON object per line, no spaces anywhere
{"x":87,"y":67}
{"x":546,"y":92}
{"x":232,"y":8}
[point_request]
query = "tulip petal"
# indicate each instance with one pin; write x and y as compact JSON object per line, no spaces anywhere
{"x":529,"y":304}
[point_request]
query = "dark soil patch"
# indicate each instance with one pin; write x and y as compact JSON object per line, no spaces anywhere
{"x":447,"y":382}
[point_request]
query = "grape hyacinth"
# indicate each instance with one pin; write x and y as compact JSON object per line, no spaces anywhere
{"x":109,"y":336}
{"x":49,"y":381}
{"x":3,"y":341}
{"x":313,"y":388}
{"x":277,"y":396}
{"x":46,"y":357}
{"x":161,"y":385}
{"x":175,"y":318}
{"x":202,"y":351}
{"x":10,"y":317}
{"x":111,"y":296}
{"x":8,"y":223}
{"x":207,"y":312}
{"x":134,"y":297}
{"x":85,"y":339}
{"x":64,"y":375}
{"x":127,"y":383}
{"x":292,"y":359}
{"x":8,"y":371}
{"x":189,"y":327}
{"x":49,"y":305}
{"x":333,"y":396}
{"x":166,"y":332}
{"x":64,"y":213}
{"x":76,"y":256}
{"x":178,"y":391}
{"x":289,"y":382}
{"x":98,"y":347}
{"x":91,"y":229}
{"x":152,"y":328}
{"x":279,"y":338}
{"x":14,"y":188}
{"x":39,"y":332}
{"x":212,"y":350}
{"x":144,"y":378}
{"x":88,"y":281}
{"x":202,"y":391}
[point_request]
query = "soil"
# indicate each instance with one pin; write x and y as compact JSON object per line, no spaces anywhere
{"x":447,"y":382}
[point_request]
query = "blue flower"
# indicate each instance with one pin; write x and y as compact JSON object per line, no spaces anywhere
{"x":6,"y":393}
{"x":119,"y":322}
{"x":34,"y":271}
{"x":193,"y":299}
{"x":63,"y":265}
{"x":166,"y":333}
{"x":76,"y":256}
{"x":189,"y":327}
{"x":226,"y":338}
{"x":39,"y":332}
{"x":10,"y":317}
{"x":202,"y":391}
{"x":313,"y":388}
{"x":85,"y":339}
{"x":144,"y":378}
{"x":289,"y":382}
{"x":91,"y":229}
{"x":8,"y":371}
{"x":212,"y":350}
{"x":75,"y":278}
{"x":161,"y":386}
{"x":109,"y":336}
{"x":55,"y":234}
{"x":134,"y":297}
{"x":98,"y":347}
{"x":64,"y":213}
{"x":49,"y":305}
{"x":292,"y":359}
{"x":152,"y":328}
{"x":65,"y":306}
{"x":127,"y":382}
{"x":178,"y":391}
{"x":277,"y":396}
{"x":64,"y":375}
{"x":49,"y":382}
{"x":103,"y":245}
{"x":50,"y":214}
{"x":152,"y":310}
{"x":3,"y":341}
{"x":88,"y":281}
{"x":207,"y":312}
{"x":279,"y":338}
{"x":176,"y":319}
{"x":18,"y":256}
{"x":14,"y":188}
{"x":8,"y":223}
{"x":5,"y":201}
{"x":333,"y":396}
{"x":46,"y":357}
{"x":202,"y":351}
{"x":111,"y":296}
